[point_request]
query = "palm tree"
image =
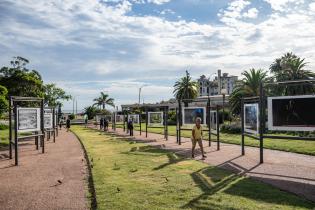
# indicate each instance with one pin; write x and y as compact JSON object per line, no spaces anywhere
{"x":104,"y":100}
{"x":248,"y":86}
{"x":291,"y":67}
{"x":91,"y":111}
{"x":186,"y":88}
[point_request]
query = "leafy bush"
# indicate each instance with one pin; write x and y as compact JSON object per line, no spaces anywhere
{"x":231,"y":129}
{"x":3,"y":127}
{"x":71,"y":116}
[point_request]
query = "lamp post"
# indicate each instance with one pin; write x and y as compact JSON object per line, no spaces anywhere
{"x":223,"y":92}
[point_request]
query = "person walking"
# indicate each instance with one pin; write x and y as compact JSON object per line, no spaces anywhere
{"x":101,"y":123}
{"x":85,"y":117}
{"x":105,"y":124}
{"x":197,"y":137}
{"x":68,"y":123}
{"x":130,"y":127}
{"x":60,"y":123}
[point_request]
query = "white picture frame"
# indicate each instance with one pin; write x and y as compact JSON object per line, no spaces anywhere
{"x":253,"y":117}
{"x":120,"y":117}
{"x":28,"y":119}
{"x":271,"y":123}
{"x":213,"y":119}
{"x":192,"y":120}
{"x":48,"y":119}
{"x":134,"y":117}
{"x":150,"y":117}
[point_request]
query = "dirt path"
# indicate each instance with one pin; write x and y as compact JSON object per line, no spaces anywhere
{"x":288,"y":171}
{"x":34,"y":183}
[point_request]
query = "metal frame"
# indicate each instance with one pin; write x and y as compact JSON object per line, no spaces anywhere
{"x":52,"y":130}
{"x":13,"y":115}
{"x":165,"y":121}
{"x":262,"y":101}
{"x":179,"y":120}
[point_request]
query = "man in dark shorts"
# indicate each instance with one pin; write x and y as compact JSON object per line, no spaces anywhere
{"x":68,"y":123}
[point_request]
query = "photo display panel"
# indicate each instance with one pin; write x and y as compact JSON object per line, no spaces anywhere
{"x":155,"y":118}
{"x":119,"y":118}
{"x":191,"y":113}
{"x":28,"y":119}
{"x":134,"y":118}
{"x":48,"y":118}
{"x":108,"y":118}
{"x":291,"y":113}
{"x":213,"y":119}
{"x":251,"y":118}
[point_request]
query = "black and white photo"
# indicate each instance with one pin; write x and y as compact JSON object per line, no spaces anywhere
{"x":28,"y":119}
{"x":251,"y":119}
{"x":191,"y":113}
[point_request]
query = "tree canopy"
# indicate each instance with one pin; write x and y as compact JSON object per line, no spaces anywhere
{"x":104,"y":100}
{"x":186,"y":88}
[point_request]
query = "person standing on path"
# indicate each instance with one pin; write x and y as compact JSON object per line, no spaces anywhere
{"x":101,"y":123}
{"x":130,"y":127}
{"x":197,"y":137}
{"x":68,"y":123}
{"x":85,"y":120}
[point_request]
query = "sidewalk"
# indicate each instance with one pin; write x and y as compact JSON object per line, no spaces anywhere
{"x":288,"y":171}
{"x":53,"y":180}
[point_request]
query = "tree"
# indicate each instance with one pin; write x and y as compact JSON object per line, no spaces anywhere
{"x":91,"y":111}
{"x":20,"y":81}
{"x":3,"y":100}
{"x":104,"y":100}
{"x":186,"y":88}
{"x":54,"y":94}
{"x":248,"y":86}
{"x":291,"y":67}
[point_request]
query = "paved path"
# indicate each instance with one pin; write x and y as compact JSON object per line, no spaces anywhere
{"x":287,"y":171}
{"x":34,"y":183}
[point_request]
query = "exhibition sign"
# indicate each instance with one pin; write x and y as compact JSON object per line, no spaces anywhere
{"x":190,"y":114}
{"x":48,"y":119}
{"x":291,"y":113}
{"x":134,"y":118}
{"x":213,"y":119}
{"x":119,"y":118}
{"x":28,"y":119}
{"x":251,"y":118}
{"x":155,"y":118}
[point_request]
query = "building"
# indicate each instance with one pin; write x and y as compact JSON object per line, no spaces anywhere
{"x":224,"y":81}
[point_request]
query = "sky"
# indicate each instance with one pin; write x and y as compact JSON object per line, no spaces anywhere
{"x":117,"y":46}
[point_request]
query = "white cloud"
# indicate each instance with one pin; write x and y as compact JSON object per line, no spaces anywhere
{"x":158,"y":1}
{"x":281,"y":5}
{"x":251,"y":13}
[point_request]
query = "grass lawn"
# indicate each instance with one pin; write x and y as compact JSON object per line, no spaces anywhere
{"x":129,"y":175}
{"x":297,"y":146}
{"x":4,"y":138}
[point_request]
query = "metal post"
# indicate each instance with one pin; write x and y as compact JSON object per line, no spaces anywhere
{"x":261,"y":115}
{"x":218,"y":129}
{"x":166,"y":123}
{"x":16,"y":135}
{"x":146,"y":122}
{"x":42,"y":125}
{"x":179,"y":123}
{"x":140,"y":124}
{"x":54,"y":125}
{"x":10,"y":127}
{"x":242,"y":122}
{"x":176,"y":112}
{"x":127,"y":124}
{"x":209,"y":121}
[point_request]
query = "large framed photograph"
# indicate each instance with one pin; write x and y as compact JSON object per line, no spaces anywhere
{"x":291,"y":113}
{"x":190,"y":114}
{"x":213,"y":120}
{"x":155,"y":118}
{"x":119,"y":118}
{"x":48,"y":119}
{"x":28,"y":119}
{"x":134,"y":118}
{"x":251,"y":118}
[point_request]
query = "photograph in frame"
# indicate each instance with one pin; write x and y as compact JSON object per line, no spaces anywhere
{"x":251,"y":118}
{"x":134,"y":118}
{"x":291,"y":113}
{"x":155,"y":118}
{"x":48,"y":119}
{"x":28,"y":119}
{"x":191,"y":113}
{"x":119,"y":118}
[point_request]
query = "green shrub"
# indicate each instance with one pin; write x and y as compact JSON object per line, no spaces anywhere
{"x":71,"y":116}
{"x":231,"y":129}
{"x":3,"y":127}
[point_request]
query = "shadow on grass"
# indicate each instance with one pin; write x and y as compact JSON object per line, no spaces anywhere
{"x":213,"y":180}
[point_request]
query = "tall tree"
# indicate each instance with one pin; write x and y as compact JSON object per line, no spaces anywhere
{"x":248,"y":86}
{"x":91,"y":111}
{"x":186,"y":88}
{"x":104,"y":100}
{"x":21,"y":81}
{"x":291,"y":67}
{"x":54,"y":95}
{"x":3,"y":100}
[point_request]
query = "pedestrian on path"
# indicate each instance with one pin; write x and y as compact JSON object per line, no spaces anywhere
{"x":130,"y":127}
{"x":106,"y":124}
{"x":101,"y":123}
{"x":68,"y":123}
{"x":85,"y":120}
{"x":197,"y":137}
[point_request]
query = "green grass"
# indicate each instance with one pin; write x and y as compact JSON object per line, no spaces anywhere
{"x":297,"y":146}
{"x":130,"y":175}
{"x":4,"y":138}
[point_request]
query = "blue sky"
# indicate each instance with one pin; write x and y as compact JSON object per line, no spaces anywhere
{"x":116,"y":46}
